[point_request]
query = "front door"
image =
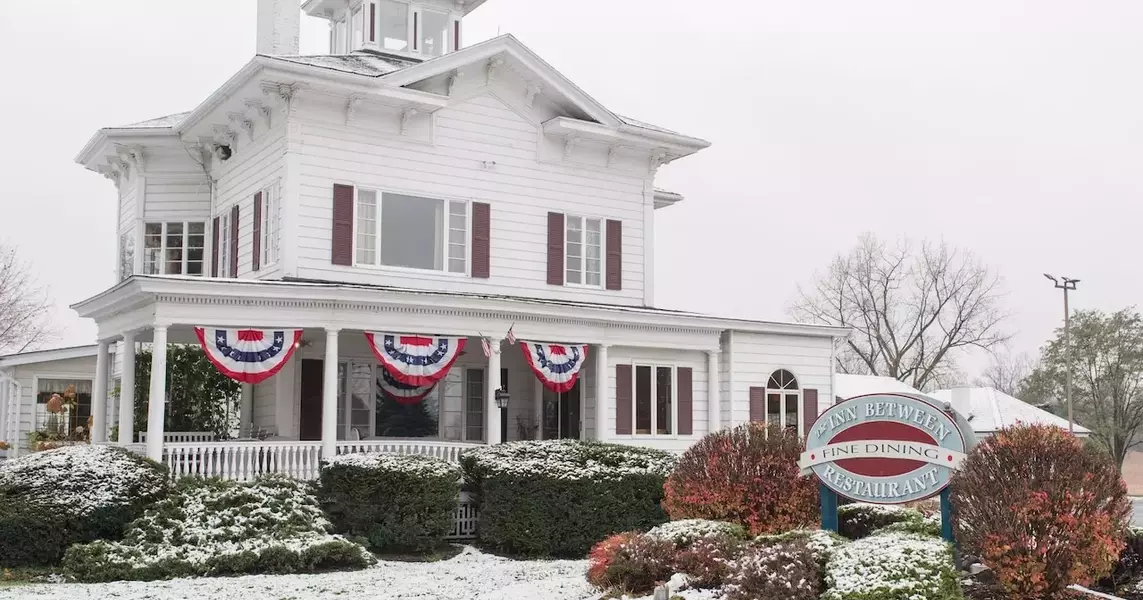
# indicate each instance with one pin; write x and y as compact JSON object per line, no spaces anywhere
{"x":311,"y":392}
{"x":561,"y":413}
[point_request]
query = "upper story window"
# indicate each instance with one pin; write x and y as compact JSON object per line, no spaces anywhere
{"x":357,"y":27}
{"x":584,"y":251}
{"x":174,"y":248}
{"x":223,"y":248}
{"x":433,"y":35}
{"x":271,"y":222}
{"x":395,"y":26}
{"x":399,"y":230}
{"x":126,"y":254}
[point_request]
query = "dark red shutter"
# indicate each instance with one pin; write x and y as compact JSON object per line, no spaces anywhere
{"x":373,"y":21}
{"x":622,"y":400}
{"x":555,"y":248}
{"x":256,"y":260}
{"x":481,"y":240}
{"x":416,"y":26}
{"x":342,"y":240}
{"x":809,"y":409}
{"x":234,"y":241}
{"x":456,"y":35}
{"x":758,"y":404}
{"x":214,"y":249}
{"x":614,"y":255}
{"x":686,"y":401}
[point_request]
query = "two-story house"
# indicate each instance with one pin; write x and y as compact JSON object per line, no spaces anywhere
{"x":404,"y":202}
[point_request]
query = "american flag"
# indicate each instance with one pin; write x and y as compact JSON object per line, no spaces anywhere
{"x":511,"y":337}
{"x":486,"y":346}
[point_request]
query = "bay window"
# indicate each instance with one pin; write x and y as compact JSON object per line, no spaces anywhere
{"x":174,"y":248}
{"x":584,"y":251}
{"x":400,"y":230}
{"x":656,"y":399}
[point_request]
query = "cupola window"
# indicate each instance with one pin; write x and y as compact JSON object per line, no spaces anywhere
{"x":394,"y":25}
{"x":427,"y":27}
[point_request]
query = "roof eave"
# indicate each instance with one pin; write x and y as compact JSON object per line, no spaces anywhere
{"x":42,"y":356}
{"x":95,"y":146}
{"x":677,"y":145}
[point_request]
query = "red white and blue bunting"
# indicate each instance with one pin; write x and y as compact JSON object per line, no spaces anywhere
{"x":415,"y":360}
{"x":407,"y":395}
{"x":248,"y":355}
{"x":556,"y":365}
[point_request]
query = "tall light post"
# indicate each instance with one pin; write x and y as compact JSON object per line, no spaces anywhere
{"x":1065,"y":284}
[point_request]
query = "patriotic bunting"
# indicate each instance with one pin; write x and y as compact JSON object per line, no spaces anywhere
{"x":415,"y":360}
{"x":556,"y":365}
{"x":248,"y":355}
{"x":400,"y":393}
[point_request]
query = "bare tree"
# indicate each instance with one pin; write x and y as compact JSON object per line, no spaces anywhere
{"x":25,"y":305}
{"x":912,"y":308}
{"x":1007,"y":373}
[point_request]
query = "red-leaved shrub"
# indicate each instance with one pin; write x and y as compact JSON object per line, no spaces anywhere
{"x":1041,"y":510}
{"x":706,"y":560}
{"x":747,"y":475}
{"x":631,"y":563}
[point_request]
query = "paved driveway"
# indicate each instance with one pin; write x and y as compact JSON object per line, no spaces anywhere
{"x":1137,"y":512}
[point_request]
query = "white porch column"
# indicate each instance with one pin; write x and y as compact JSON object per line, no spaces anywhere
{"x":246,"y":408}
{"x":538,"y":406}
{"x":99,"y":394}
{"x":602,"y":402}
{"x":713,"y":401}
{"x":157,"y":400}
{"x":491,"y":412}
{"x":329,"y":397}
{"x":127,"y":391}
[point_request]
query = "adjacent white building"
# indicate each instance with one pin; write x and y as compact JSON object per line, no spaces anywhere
{"x":407,"y":183}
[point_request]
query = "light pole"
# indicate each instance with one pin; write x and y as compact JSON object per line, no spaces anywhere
{"x":1065,"y":284}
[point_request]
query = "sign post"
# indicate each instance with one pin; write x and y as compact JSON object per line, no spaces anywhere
{"x":886,"y":449}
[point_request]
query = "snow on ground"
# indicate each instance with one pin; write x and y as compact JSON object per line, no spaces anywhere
{"x":470,"y":575}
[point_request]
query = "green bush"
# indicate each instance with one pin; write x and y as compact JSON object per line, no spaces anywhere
{"x":212,"y":527}
{"x":30,"y":536}
{"x":396,"y":502}
{"x":560,"y":497}
{"x":927,"y":527}
{"x":858,"y":520}
{"x":892,"y":566}
{"x":77,"y":494}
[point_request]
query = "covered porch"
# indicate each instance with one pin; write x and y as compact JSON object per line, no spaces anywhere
{"x":330,"y":396}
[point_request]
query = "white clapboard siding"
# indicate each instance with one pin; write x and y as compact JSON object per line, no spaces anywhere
{"x":256,"y":165}
{"x":697,"y":361}
{"x":756,"y":356}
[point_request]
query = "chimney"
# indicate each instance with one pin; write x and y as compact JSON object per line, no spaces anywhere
{"x":279,"y":27}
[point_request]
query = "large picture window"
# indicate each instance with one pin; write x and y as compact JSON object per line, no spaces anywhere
{"x":174,"y":248}
{"x":656,"y":399}
{"x":584,"y":251}
{"x":399,"y":230}
{"x":74,"y":407}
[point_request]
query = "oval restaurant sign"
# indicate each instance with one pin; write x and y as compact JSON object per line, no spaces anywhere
{"x":885,"y":448}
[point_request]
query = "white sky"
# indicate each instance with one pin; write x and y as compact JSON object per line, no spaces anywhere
{"x":1014,"y":128}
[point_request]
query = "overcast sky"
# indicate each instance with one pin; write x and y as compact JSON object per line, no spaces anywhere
{"x":1010,"y":128}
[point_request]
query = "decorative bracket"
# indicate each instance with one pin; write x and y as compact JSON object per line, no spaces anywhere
{"x":406,"y":115}
{"x":243,"y":123}
{"x":282,"y":94}
{"x":491,"y":68}
{"x":262,"y":110}
{"x":227,"y":136}
{"x":658,"y":158}
{"x":351,"y":108}
{"x":569,"y":146}
{"x":110,"y":173}
{"x":120,"y":167}
{"x":452,"y":80}
{"x":530,"y":94}
{"x":132,"y":156}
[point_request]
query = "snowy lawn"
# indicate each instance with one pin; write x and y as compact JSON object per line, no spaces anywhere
{"x":470,"y":575}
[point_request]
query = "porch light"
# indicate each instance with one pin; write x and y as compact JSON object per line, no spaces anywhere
{"x":502,"y":398}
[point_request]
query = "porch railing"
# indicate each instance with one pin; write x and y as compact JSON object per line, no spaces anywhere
{"x":176,"y":437}
{"x":449,"y":451}
{"x":242,"y":461}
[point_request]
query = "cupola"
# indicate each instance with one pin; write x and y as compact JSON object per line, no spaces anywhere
{"x":415,"y":28}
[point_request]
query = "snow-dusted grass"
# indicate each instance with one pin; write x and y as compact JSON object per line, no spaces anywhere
{"x":892,"y":566}
{"x":470,"y":576}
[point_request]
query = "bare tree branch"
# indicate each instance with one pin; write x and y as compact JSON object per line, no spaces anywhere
{"x":912,"y":309}
{"x":1007,"y":373}
{"x":25,"y":305}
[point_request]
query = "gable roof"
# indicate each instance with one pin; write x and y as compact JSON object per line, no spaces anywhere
{"x":848,"y":386}
{"x":164,"y":121}
{"x":993,"y":410}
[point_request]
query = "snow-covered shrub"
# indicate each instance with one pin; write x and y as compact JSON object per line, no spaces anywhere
{"x":745,"y":475}
{"x":706,"y":560}
{"x":396,"y":502}
{"x":211,"y":527}
{"x":560,"y":497}
{"x":686,"y":531}
{"x":925,"y":526}
{"x":892,"y":566}
{"x":821,"y":543}
{"x":861,"y":519}
{"x":787,"y":570}
{"x":30,"y":535}
{"x":92,"y":491}
{"x":1040,"y":509}
{"x":630,"y":563}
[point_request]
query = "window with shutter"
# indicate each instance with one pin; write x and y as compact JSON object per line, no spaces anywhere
{"x":342,"y":231}
{"x":256,"y":250}
{"x":614,"y":247}
{"x":481,"y":240}
{"x":686,"y":400}
{"x":234,"y":241}
{"x":555,"y":248}
{"x":809,"y":410}
{"x":623,"y":399}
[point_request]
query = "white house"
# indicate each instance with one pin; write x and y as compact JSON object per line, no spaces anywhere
{"x":408,"y":185}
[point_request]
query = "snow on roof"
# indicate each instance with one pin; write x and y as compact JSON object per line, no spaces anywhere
{"x":646,"y":125}
{"x":848,"y":386}
{"x":361,"y":62}
{"x":167,"y":121}
{"x":992,"y":410}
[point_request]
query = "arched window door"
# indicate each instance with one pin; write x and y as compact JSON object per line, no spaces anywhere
{"x":784,"y":401}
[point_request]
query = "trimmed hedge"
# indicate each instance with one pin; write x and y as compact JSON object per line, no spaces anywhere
{"x":396,"y":502}
{"x":72,"y":494}
{"x":560,"y":497}
{"x":861,"y":519}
